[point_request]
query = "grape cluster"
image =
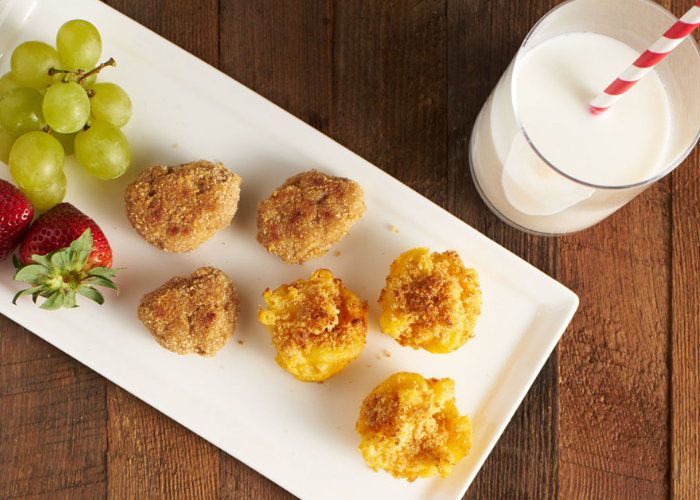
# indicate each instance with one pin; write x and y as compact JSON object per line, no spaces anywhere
{"x":51,"y":106}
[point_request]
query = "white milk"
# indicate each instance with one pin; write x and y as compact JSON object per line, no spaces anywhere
{"x":554,"y":85}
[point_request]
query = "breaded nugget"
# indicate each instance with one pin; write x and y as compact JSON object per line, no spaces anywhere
{"x":317,"y":325}
{"x":192,"y":315}
{"x":411,"y":428}
{"x":430,"y":301}
{"x":307,"y":214}
{"x":179,"y":208}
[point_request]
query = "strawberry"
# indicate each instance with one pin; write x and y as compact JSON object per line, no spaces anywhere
{"x":16,"y":214}
{"x":58,"y":228}
{"x":64,"y":252}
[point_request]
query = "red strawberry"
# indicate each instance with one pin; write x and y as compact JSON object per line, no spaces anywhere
{"x":58,"y":228}
{"x":16,"y":214}
{"x":64,"y":252}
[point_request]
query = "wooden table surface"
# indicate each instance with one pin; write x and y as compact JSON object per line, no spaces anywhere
{"x":614,"y":413}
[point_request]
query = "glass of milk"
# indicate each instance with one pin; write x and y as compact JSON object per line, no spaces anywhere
{"x":541,"y":160}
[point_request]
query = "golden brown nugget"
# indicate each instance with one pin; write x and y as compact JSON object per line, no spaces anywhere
{"x":430,"y":301}
{"x":309,"y":213}
{"x":178,"y":208}
{"x":317,"y":325}
{"x":411,"y":428}
{"x":195,"y":315}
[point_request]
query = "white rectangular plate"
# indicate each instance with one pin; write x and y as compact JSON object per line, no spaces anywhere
{"x":299,"y":435}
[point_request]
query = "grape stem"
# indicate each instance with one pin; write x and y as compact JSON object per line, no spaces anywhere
{"x":81,"y":74}
{"x":110,"y":62}
{"x":66,"y":73}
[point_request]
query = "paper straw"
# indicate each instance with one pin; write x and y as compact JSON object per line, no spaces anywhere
{"x":646,"y":62}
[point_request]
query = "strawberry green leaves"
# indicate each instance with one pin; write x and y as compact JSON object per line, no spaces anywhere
{"x":59,"y":275}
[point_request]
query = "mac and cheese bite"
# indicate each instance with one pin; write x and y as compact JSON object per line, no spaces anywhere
{"x":430,"y":301}
{"x":411,"y":428}
{"x":317,"y":325}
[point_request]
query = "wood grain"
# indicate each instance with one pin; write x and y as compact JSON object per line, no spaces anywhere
{"x":614,"y":359}
{"x":685,"y":323}
{"x":390,"y":94}
{"x":192,"y":25}
{"x":53,"y":421}
{"x":614,"y":413}
{"x":150,"y":454}
{"x":283,"y":51}
{"x":685,"y":330}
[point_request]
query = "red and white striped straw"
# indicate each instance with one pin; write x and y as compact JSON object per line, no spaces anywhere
{"x":646,"y":62}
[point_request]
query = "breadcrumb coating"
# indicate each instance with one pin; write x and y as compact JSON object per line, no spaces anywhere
{"x":430,"y":301}
{"x":411,"y":428}
{"x":178,"y":208}
{"x":308,"y":214}
{"x":192,"y":315}
{"x":317,"y":325}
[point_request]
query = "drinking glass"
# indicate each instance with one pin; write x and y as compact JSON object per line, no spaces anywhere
{"x":529,"y":191}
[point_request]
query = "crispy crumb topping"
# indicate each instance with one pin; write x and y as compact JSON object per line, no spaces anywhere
{"x":177,"y":208}
{"x":317,"y":325}
{"x":411,"y":428}
{"x":430,"y":301}
{"x":195,"y":315}
{"x":309,"y":213}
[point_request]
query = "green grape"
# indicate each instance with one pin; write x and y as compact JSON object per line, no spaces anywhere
{"x":103,"y":150}
{"x":8,"y":82}
{"x":36,"y":160}
{"x":20,"y":111}
{"x":111,"y":103}
{"x":79,"y":45}
{"x":6,"y":142}
{"x":45,"y":199}
{"x":66,"y":107}
{"x":66,"y":140}
{"x":31,"y":62}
